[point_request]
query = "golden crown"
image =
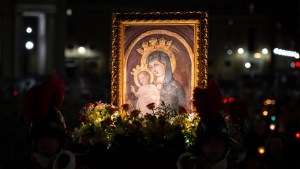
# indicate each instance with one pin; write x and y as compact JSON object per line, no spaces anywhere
{"x":155,"y":44}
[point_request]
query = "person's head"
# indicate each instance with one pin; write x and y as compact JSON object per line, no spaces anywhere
{"x":42,"y":109}
{"x":214,"y":147}
{"x":213,"y":140}
{"x":213,"y":135}
{"x":49,"y":136}
{"x":48,"y":145}
{"x":159,"y":63}
{"x":144,"y":77}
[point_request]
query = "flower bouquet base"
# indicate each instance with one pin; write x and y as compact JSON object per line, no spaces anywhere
{"x":122,"y":138}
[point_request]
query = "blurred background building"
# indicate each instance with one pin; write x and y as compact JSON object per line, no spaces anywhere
{"x":253,"y":52}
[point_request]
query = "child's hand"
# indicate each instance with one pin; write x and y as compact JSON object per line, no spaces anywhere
{"x":132,"y":89}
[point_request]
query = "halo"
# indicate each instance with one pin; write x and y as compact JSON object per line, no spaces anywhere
{"x":155,"y":44}
{"x":137,"y":70}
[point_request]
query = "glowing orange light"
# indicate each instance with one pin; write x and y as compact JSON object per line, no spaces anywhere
{"x":265,"y":113}
{"x":272,"y":102}
{"x":261,"y":150}
{"x":267,"y":102}
{"x":297,"y":135}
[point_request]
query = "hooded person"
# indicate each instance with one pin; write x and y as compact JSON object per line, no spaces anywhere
{"x":240,"y":156}
{"x":213,"y":141}
{"x":48,"y":132}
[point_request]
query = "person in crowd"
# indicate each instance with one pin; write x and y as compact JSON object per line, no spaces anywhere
{"x":240,"y":156}
{"x":213,"y":143}
{"x":258,"y":136}
{"x":277,"y":154}
{"x":48,"y":131}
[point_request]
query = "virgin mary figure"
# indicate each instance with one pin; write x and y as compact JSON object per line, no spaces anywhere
{"x":171,"y":91}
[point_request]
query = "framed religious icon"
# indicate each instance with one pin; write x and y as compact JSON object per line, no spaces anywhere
{"x":158,"y":56}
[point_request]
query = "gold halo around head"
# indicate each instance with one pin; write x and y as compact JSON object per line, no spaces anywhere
{"x":137,"y":70}
{"x":155,"y":44}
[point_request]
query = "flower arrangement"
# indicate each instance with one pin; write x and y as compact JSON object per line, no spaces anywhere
{"x":103,"y":123}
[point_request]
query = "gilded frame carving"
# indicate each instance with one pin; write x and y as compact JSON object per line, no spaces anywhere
{"x":183,"y":36}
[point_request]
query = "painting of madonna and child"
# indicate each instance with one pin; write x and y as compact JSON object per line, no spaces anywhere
{"x":159,"y":61}
{"x":159,"y":65}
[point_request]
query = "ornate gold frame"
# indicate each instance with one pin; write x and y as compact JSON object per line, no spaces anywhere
{"x":146,"y":24}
